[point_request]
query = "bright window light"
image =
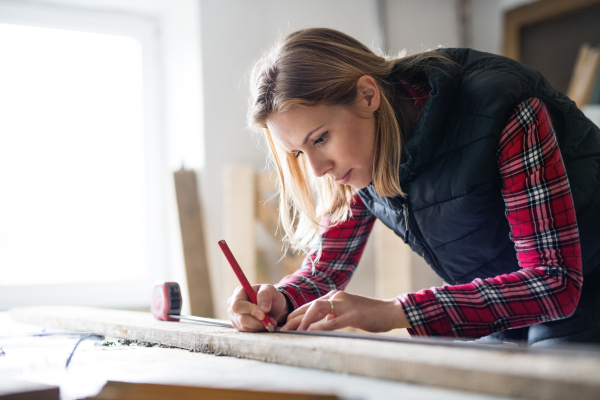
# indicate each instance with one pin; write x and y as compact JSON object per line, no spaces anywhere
{"x":72,"y":175}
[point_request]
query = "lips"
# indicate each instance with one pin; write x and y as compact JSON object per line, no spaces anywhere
{"x":344,"y":179}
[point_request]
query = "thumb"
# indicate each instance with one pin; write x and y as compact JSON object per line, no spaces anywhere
{"x":246,"y":307}
{"x":264,"y":297}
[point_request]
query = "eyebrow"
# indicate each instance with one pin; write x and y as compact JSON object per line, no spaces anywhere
{"x":310,"y":133}
{"x":307,"y":136}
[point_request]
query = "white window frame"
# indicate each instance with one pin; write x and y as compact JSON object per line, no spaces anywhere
{"x":119,"y":294}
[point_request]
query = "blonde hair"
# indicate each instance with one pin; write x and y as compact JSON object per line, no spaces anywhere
{"x":322,"y":66}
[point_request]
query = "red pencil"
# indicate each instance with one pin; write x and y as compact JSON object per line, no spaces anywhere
{"x":244,"y":281}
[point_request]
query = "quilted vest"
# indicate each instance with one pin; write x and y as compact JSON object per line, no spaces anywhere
{"x":453,"y":213}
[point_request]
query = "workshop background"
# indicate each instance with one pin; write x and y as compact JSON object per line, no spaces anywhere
{"x":103,"y":100}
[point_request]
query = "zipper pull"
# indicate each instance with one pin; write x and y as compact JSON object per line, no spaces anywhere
{"x":406,"y":223}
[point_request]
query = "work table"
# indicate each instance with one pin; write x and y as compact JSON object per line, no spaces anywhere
{"x":42,"y":359}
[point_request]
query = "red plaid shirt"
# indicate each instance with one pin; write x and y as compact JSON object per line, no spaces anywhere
{"x":540,"y":210}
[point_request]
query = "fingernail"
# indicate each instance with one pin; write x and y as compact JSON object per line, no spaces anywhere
{"x":265,"y":306}
{"x":259,"y":315}
{"x":284,"y":328}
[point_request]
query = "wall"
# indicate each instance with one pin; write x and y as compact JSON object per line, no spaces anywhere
{"x":488,"y":23}
{"x":234,"y":35}
{"x":209,"y":47}
{"x":417,"y":26}
{"x":425,"y":24}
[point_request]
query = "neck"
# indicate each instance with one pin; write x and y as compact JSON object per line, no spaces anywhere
{"x":407,"y":114}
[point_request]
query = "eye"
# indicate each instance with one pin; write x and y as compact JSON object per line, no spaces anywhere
{"x":298,"y":154}
{"x":321,"y":139}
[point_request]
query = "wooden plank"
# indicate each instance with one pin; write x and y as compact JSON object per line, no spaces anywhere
{"x":517,"y":18}
{"x":146,"y":391}
{"x":239,"y":228}
{"x":393,"y":263}
{"x":267,"y":215}
{"x":192,"y":237}
{"x":182,"y":367}
{"x":11,"y":389}
{"x":269,"y":218}
{"x":504,"y":371}
{"x":584,"y":75}
{"x":398,"y":269}
{"x":265,"y":183}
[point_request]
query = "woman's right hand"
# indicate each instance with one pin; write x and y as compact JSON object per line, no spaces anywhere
{"x":247,"y":317}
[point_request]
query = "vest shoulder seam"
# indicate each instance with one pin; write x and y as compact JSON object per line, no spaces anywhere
{"x":477,"y":115}
{"x":452,"y":198}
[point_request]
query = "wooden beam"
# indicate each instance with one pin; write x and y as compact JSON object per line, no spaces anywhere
{"x":520,"y":17}
{"x":393,"y":263}
{"x":398,"y":269}
{"x":11,"y":389}
{"x":192,"y":237}
{"x":239,"y":228}
{"x":147,"y":391}
{"x":268,"y":216}
{"x":502,"y":371}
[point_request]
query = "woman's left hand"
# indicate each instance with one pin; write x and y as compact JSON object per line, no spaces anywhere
{"x":360,"y":312}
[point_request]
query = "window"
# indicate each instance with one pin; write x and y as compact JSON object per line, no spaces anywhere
{"x":81,"y":204}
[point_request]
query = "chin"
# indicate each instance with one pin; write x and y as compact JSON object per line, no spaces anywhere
{"x":358,"y":185}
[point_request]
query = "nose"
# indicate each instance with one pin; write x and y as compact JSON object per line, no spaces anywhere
{"x":319,"y":165}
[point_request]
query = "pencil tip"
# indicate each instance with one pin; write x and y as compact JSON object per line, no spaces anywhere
{"x":270,"y":328}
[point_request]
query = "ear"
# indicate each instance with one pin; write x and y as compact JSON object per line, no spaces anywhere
{"x":368,"y":96}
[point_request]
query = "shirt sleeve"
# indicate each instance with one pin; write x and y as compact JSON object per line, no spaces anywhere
{"x":539,"y":208}
{"x":343,"y":245}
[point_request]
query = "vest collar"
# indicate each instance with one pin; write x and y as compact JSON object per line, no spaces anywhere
{"x":443,"y":81}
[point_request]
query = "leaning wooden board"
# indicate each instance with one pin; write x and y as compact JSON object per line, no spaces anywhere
{"x":525,"y":374}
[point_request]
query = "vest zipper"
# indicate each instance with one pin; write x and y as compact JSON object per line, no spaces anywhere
{"x":405,"y":207}
{"x":418,"y":237}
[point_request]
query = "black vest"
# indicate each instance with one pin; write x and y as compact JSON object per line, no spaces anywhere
{"x":453,"y":213}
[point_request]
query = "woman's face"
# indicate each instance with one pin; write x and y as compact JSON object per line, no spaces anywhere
{"x":337,"y":141}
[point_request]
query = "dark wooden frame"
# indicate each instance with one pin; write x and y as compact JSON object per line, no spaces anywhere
{"x":518,"y":18}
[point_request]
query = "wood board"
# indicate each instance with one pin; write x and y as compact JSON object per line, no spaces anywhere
{"x":510,"y":372}
{"x":239,"y":225}
{"x":192,"y":238}
{"x":11,"y":389}
{"x":517,"y":18}
{"x":138,"y":391}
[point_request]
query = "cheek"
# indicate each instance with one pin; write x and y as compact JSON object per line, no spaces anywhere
{"x":366,"y":141}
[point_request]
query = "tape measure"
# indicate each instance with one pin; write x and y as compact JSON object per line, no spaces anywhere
{"x":166,"y":301}
{"x":166,"y":305}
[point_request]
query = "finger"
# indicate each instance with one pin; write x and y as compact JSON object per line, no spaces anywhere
{"x":316,"y":312}
{"x":238,"y":294}
{"x":264,"y":297}
{"x":299,"y":311}
{"x":302,"y":310}
{"x":293,"y":323}
{"x":235,"y":319}
{"x":244,"y":307}
{"x":330,"y":317}
{"x":250,"y":324}
{"x":331,"y":325}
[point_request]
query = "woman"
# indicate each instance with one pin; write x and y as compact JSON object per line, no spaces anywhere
{"x":473,"y":159}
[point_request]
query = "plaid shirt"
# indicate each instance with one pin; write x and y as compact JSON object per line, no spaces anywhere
{"x":540,"y":210}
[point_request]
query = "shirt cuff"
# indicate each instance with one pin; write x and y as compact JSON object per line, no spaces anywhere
{"x":425,"y":314}
{"x":293,"y":294}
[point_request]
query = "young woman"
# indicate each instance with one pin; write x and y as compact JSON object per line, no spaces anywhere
{"x":482,"y":167}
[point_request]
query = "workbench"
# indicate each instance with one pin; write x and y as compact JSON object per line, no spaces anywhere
{"x":42,"y":359}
